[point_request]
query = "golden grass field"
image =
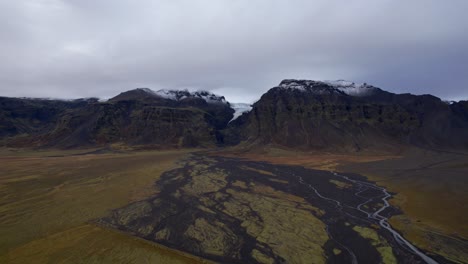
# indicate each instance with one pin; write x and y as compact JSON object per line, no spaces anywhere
{"x":432,"y":190}
{"x":47,"y":199}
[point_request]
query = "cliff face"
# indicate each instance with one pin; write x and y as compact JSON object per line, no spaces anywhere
{"x":341,"y":115}
{"x":137,"y":117}
{"x":21,"y":116}
{"x":299,"y":114}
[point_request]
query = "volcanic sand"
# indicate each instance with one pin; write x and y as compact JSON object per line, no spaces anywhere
{"x":430,"y":187}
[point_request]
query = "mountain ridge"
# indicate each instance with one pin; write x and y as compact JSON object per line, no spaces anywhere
{"x":320,"y":115}
{"x":304,"y":114}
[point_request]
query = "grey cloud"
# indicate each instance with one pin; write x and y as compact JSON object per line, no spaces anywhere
{"x":81,"y":48}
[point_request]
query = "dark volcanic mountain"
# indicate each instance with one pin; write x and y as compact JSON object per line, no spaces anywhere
{"x":136,"y":117}
{"x":28,"y":116}
{"x":304,"y":114}
{"x":343,"y":115}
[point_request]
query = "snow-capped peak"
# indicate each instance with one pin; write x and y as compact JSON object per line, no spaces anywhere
{"x":351,"y":88}
{"x":322,"y":87}
{"x":146,"y":90}
{"x":178,"y":95}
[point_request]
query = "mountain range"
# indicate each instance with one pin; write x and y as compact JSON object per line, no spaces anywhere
{"x":303,"y":114}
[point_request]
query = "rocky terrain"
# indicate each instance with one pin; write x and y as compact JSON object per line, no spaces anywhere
{"x":236,"y":211}
{"x":239,"y":204}
{"x":303,"y":114}
{"x":137,"y":117}
{"x":347,"y":116}
{"x":26,"y":116}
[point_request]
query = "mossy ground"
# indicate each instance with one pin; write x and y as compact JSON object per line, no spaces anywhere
{"x":380,"y":243}
{"x":48,"y":197}
{"x":222,"y":210}
{"x":430,"y":188}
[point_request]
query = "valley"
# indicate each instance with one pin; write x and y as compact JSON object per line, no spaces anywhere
{"x":312,"y":172}
{"x":233,"y":132}
{"x":98,"y":206}
{"x":428,"y":186}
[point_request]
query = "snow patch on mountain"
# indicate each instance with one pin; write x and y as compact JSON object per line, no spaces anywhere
{"x":167,"y":94}
{"x":327,"y":87}
{"x":178,"y":95}
{"x":351,"y":88}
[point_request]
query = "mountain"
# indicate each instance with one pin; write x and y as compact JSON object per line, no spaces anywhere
{"x":137,"y":117}
{"x":28,"y":116}
{"x":303,"y":114}
{"x":343,"y":115}
{"x":171,"y":97}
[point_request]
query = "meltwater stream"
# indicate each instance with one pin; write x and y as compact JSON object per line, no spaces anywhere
{"x":376,"y":216}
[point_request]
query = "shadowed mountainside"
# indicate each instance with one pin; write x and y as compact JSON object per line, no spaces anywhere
{"x":347,"y":116}
{"x":136,"y":117}
{"x":21,"y":116}
{"x":322,"y":115}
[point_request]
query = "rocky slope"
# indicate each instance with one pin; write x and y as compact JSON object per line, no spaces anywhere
{"x":136,"y":117}
{"x":29,"y":116}
{"x":325,"y":115}
{"x":348,"y":116}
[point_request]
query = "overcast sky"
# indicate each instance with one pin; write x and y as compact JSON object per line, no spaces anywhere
{"x":237,"y":48}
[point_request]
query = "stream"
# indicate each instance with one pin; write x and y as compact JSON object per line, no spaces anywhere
{"x":372,"y":216}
